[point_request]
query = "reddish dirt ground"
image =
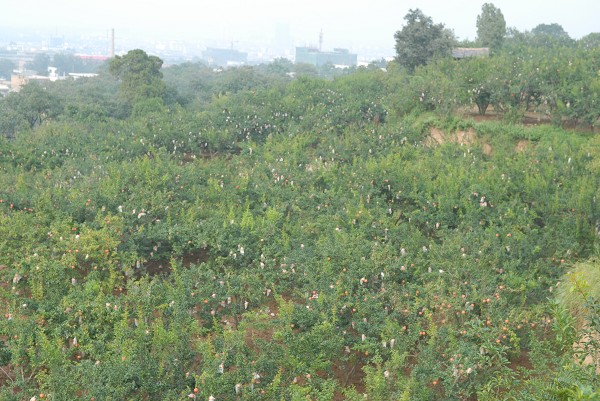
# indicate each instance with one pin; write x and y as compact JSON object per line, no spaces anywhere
{"x":163,"y":266}
{"x":529,"y":119}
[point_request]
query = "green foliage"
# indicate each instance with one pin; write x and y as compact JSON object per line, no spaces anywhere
{"x":420,"y":40}
{"x":66,"y":63}
{"x":6,"y":68}
{"x":278,"y":239}
{"x":30,"y":107}
{"x":91,"y":100}
{"x":39,"y":64}
{"x":491,"y":27}
{"x":553,"y":29}
{"x":590,"y":41}
{"x":140,"y":76}
{"x":581,"y":299}
{"x":551,"y":35}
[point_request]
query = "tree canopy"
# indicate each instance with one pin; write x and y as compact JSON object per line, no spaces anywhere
{"x":6,"y":68}
{"x":39,"y":64}
{"x":491,"y":27}
{"x":591,"y":41}
{"x":139,"y":74}
{"x":29,"y":107}
{"x":553,"y":29}
{"x":420,"y":40}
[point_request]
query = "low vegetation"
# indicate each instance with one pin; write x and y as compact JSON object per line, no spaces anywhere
{"x":246,"y":235}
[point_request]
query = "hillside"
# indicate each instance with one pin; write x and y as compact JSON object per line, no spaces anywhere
{"x":295,"y":239}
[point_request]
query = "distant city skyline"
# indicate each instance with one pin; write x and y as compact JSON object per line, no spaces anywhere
{"x":370,"y":25}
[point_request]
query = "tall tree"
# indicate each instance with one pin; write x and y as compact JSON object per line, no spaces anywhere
{"x":36,"y":104}
{"x":10,"y":119}
{"x":29,"y":107}
{"x":491,"y":27}
{"x":554,"y":29}
{"x":421,"y":40}
{"x":590,"y":41}
{"x":6,"y":68}
{"x":280,"y":66}
{"x":551,"y":35}
{"x":39,"y":64}
{"x":140,"y":76}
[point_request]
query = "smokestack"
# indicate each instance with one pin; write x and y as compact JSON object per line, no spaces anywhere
{"x":112,"y":43}
{"x":321,"y":40}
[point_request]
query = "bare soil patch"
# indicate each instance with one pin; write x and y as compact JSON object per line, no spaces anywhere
{"x":439,"y":137}
{"x":349,"y":374}
{"x":159,"y":267}
{"x":529,"y":119}
{"x":590,"y":359}
{"x":487,"y":149}
{"x":522,"y":145}
{"x":467,"y":138}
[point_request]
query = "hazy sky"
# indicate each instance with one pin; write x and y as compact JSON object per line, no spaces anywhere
{"x":353,"y":24}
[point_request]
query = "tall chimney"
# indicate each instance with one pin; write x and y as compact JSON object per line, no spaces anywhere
{"x":321,"y":40}
{"x":112,"y":43}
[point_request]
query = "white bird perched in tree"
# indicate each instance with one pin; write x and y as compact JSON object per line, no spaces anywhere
{"x":211,"y":398}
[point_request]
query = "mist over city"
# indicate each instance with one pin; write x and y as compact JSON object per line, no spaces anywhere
{"x":181,"y":31}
